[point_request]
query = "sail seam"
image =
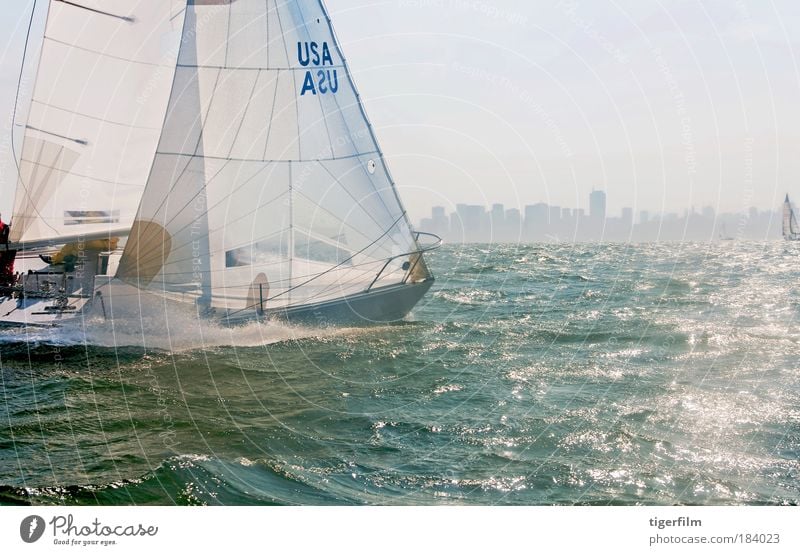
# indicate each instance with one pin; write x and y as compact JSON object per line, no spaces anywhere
{"x":254,"y":160}
{"x":338,"y":182}
{"x":94,"y":118}
{"x":180,"y":175}
{"x":294,"y":82}
{"x":272,"y":112}
{"x":364,"y":251}
{"x":82,"y":176}
{"x":208,"y":210}
{"x":266,"y":26}
{"x":37,"y":190}
{"x":104,"y":54}
{"x":244,"y":115}
{"x":341,"y":223}
{"x":254,"y":241}
{"x":362,"y":267}
{"x":261,"y":68}
{"x":228,"y":33}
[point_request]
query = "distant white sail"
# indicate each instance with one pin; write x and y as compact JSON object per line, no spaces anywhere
{"x":267,"y":180}
{"x":791,"y":231}
{"x":98,"y":104}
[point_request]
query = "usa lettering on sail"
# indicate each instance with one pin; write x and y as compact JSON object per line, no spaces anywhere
{"x":322,"y":80}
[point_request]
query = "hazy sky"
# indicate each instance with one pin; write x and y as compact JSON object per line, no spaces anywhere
{"x":664,"y":104}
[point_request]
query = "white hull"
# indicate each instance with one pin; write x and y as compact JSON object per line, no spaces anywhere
{"x":110,"y":299}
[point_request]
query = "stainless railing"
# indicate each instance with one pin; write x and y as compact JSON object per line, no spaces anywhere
{"x":409,"y":269}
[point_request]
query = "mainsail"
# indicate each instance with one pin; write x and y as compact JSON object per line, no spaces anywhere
{"x":268,"y":184}
{"x":95,"y":117}
{"x":791,"y":231}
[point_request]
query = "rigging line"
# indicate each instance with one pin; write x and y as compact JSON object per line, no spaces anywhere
{"x":255,"y":240}
{"x":348,"y":283}
{"x":324,"y":291}
{"x":375,"y":264}
{"x":129,"y":19}
{"x":341,"y":285}
{"x":261,"y":265}
{"x":154,"y":255}
{"x":332,"y":268}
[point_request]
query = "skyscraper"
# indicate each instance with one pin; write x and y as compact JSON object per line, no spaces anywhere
{"x":597,"y":205}
{"x":627,"y":217}
{"x":536,"y":216}
{"x":498,"y":216}
{"x":514,"y":224}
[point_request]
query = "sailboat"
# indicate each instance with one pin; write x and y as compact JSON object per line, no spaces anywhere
{"x":204,"y":154}
{"x":791,"y":231}
{"x":723,"y":234}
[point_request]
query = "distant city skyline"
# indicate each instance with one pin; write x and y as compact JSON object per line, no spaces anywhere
{"x":539,"y":222}
{"x":662,"y":105}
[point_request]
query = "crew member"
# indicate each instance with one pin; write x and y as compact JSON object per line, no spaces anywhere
{"x":5,"y":229}
{"x":6,"y":257}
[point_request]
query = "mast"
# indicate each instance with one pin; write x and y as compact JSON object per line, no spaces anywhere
{"x":790,"y":227}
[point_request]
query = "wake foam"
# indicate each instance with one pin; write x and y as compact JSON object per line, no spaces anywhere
{"x":173,"y":332}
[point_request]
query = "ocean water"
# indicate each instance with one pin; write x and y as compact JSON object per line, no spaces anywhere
{"x":530,"y":374}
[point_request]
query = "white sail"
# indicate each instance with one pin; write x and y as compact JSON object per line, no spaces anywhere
{"x":791,"y":230}
{"x":267,"y":182}
{"x":98,"y":104}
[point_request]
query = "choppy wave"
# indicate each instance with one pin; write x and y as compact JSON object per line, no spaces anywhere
{"x":560,"y":374}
